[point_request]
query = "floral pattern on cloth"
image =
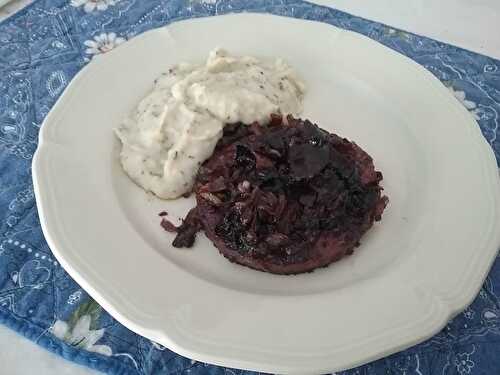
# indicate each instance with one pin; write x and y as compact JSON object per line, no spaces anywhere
{"x":46,"y":44}
{"x":91,"y":5}
{"x":102,"y":43}
{"x":80,"y":331}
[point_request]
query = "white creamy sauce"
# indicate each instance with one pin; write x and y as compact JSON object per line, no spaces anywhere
{"x":175,"y":128}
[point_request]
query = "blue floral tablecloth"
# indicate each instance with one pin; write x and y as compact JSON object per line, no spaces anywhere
{"x":45,"y":45}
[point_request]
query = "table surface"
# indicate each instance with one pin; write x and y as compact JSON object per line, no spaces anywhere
{"x":443,"y":20}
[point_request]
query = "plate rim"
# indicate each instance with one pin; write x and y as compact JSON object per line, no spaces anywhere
{"x":444,"y":308}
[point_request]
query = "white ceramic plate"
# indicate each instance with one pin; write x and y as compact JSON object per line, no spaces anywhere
{"x":415,"y":270}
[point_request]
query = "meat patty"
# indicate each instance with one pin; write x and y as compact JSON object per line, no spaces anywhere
{"x":284,"y":198}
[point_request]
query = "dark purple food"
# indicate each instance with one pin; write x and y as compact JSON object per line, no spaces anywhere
{"x":285,"y":198}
